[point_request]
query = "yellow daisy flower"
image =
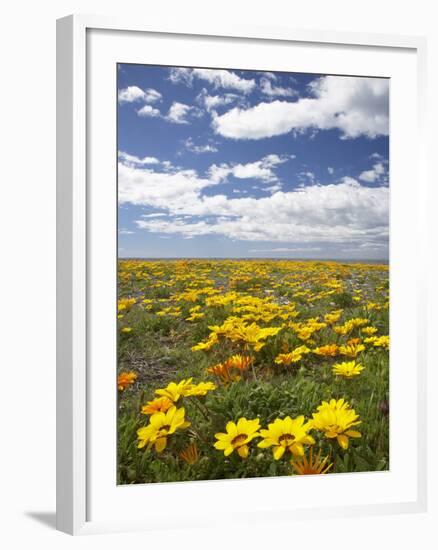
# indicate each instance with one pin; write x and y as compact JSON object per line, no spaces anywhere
{"x":287,"y":434}
{"x":237,"y":437}
{"x":200,"y":389}
{"x":160,"y":404}
{"x":160,"y":426}
{"x":349,"y":369}
{"x":336,"y":419}
{"x":174,"y":391}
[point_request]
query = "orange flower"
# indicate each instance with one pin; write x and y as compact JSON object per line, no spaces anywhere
{"x":313,"y":466}
{"x":224,"y":373}
{"x":240,"y":362}
{"x":125,"y":379}
{"x":354,"y":341}
{"x":329,"y":350}
{"x":160,"y":404}
{"x":190,"y":454}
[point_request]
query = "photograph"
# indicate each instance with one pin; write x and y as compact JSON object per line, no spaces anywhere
{"x":253,"y":273}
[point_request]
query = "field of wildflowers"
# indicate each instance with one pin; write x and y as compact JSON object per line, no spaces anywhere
{"x":250,"y":368}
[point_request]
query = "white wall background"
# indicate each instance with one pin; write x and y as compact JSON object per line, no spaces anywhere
{"x":27,"y":318}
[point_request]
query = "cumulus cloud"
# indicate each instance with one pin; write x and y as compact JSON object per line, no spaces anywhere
{"x":134,"y":93}
{"x":154,"y":215}
{"x":218,"y":78}
{"x":345,"y":212}
{"x":261,"y":169}
{"x":134,"y":160}
{"x":211,"y":102}
{"x":269,"y":89}
{"x":190,"y":145}
{"x":178,"y":113}
{"x":148,"y":111}
{"x":130,"y":94}
{"x":377,"y":173}
{"x":355,"y":106}
{"x":152,"y":96}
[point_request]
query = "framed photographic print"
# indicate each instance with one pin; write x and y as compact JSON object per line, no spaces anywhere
{"x":240,"y":285}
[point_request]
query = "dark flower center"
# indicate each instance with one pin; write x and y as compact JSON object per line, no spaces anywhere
{"x":239,"y":439}
{"x":286,"y":439}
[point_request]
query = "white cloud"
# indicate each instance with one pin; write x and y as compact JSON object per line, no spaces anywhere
{"x":152,"y":96}
{"x":178,"y":113}
{"x":169,"y":190}
{"x":377,"y":172}
{"x":330,"y":170}
{"x":154,"y":215}
{"x":190,"y":145}
{"x":131,"y":94}
{"x":148,"y":111}
{"x":261,"y":169}
{"x":307,"y":177}
{"x":132,"y":159}
{"x":211,"y":102}
{"x":271,"y":76}
{"x":287,"y":250}
{"x":345,"y":212}
{"x":218,"y":78}
{"x":134,"y":93}
{"x":355,"y":106}
{"x":182,"y":75}
{"x":267,"y":88}
{"x":126,"y":232}
{"x":272,"y":188}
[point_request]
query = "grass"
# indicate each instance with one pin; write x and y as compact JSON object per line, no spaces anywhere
{"x":156,"y":299}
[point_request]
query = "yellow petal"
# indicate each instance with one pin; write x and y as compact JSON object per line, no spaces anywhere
{"x":243,"y":451}
{"x":343,"y":441}
{"x":353,"y":433}
{"x":160,"y":444}
{"x":297,"y":449}
{"x":279,"y":452}
{"x":228,"y":450}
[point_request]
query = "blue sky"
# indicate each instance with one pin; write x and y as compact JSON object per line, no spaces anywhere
{"x":229,"y":163}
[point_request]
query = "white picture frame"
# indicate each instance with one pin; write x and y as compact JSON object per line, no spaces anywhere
{"x":75,"y":217}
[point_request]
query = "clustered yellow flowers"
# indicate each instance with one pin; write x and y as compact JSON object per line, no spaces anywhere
{"x":238,"y":331}
{"x":292,"y":357}
{"x":378,"y":341}
{"x":161,"y":425}
{"x":351,"y":350}
{"x":185,"y":388}
{"x":290,"y":435}
{"x":165,"y":419}
{"x":288,"y":333}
